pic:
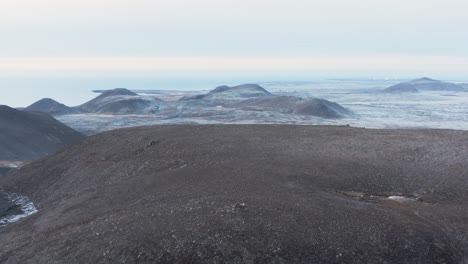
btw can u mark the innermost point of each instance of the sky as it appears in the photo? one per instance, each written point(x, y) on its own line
point(97, 43)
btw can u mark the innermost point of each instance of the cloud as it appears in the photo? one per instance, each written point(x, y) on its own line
point(229, 28)
point(237, 12)
point(128, 65)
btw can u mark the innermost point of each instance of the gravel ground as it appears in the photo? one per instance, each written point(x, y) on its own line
point(246, 194)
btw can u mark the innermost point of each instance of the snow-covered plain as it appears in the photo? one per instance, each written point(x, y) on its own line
point(372, 108)
point(376, 109)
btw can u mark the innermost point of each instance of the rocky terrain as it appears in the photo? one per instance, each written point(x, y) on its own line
point(210, 105)
point(246, 194)
point(51, 107)
point(424, 84)
point(30, 135)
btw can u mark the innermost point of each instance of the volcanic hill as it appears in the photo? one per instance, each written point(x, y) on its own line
point(51, 107)
point(31, 135)
point(424, 84)
point(246, 194)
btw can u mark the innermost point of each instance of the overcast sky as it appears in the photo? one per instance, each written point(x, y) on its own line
point(225, 28)
point(188, 37)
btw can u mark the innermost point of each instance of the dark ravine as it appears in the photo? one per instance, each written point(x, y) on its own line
point(246, 194)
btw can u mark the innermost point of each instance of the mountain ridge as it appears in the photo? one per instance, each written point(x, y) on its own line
point(31, 135)
point(424, 84)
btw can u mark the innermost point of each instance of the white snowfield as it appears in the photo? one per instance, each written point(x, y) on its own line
point(371, 108)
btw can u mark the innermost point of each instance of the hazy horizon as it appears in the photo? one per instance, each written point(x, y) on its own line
point(59, 46)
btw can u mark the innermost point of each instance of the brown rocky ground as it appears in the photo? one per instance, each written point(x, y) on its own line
point(246, 194)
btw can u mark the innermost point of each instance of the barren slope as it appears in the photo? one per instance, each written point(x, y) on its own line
point(31, 135)
point(246, 194)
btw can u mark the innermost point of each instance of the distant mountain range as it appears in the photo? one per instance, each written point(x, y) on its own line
point(424, 84)
point(256, 98)
point(247, 97)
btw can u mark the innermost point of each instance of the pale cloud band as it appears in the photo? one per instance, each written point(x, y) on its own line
point(64, 65)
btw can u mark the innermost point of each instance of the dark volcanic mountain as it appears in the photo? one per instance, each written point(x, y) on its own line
point(295, 105)
point(246, 194)
point(424, 84)
point(256, 98)
point(224, 92)
point(31, 135)
point(52, 107)
point(239, 91)
point(121, 101)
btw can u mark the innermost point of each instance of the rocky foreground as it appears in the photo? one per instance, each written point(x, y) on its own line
point(246, 194)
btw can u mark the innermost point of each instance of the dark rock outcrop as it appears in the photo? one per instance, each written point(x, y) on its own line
point(51, 107)
point(424, 84)
point(246, 194)
point(28, 135)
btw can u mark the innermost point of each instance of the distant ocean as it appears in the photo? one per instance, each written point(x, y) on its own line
point(20, 92)
point(72, 91)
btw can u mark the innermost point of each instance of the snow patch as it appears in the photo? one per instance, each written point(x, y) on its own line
point(398, 198)
point(11, 164)
point(23, 202)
